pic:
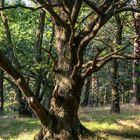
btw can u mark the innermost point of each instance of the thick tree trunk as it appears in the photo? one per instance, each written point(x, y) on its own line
point(64, 121)
point(136, 63)
point(64, 108)
point(1, 92)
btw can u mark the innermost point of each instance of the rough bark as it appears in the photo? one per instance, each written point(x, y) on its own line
point(136, 63)
point(66, 95)
point(64, 107)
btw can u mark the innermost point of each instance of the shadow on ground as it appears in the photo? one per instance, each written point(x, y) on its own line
point(123, 126)
point(11, 127)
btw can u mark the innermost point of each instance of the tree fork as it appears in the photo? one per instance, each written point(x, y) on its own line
point(38, 109)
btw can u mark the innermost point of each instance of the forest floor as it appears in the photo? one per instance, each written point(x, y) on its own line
point(123, 126)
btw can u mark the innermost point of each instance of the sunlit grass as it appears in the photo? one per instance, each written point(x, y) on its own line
point(18, 129)
point(124, 126)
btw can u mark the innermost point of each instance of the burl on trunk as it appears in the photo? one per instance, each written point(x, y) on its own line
point(64, 123)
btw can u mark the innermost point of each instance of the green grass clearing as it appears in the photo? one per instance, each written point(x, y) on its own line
point(18, 128)
point(124, 126)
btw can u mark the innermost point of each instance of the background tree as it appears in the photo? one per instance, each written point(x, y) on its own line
point(136, 63)
point(86, 93)
point(1, 92)
point(115, 105)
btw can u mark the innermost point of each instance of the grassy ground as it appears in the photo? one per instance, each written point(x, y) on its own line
point(125, 126)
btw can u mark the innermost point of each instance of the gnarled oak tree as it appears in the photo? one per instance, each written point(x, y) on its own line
point(73, 33)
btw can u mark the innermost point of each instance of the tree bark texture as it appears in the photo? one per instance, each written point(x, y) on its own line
point(65, 123)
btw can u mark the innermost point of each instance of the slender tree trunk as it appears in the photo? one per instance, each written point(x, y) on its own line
point(23, 108)
point(115, 106)
point(86, 93)
point(136, 63)
point(115, 103)
point(96, 91)
point(38, 47)
point(1, 92)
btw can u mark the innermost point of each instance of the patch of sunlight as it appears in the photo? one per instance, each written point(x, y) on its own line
point(129, 124)
point(18, 128)
point(107, 131)
point(25, 136)
point(95, 126)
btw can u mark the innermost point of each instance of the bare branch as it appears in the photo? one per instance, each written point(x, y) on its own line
point(54, 15)
point(120, 8)
point(91, 65)
point(126, 9)
point(103, 8)
point(113, 53)
point(84, 19)
point(102, 62)
point(38, 109)
point(117, 56)
point(85, 41)
point(73, 19)
point(105, 43)
point(91, 32)
point(51, 56)
point(94, 65)
point(75, 10)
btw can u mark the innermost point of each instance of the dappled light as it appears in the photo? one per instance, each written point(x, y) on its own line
point(116, 126)
point(111, 127)
point(18, 128)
